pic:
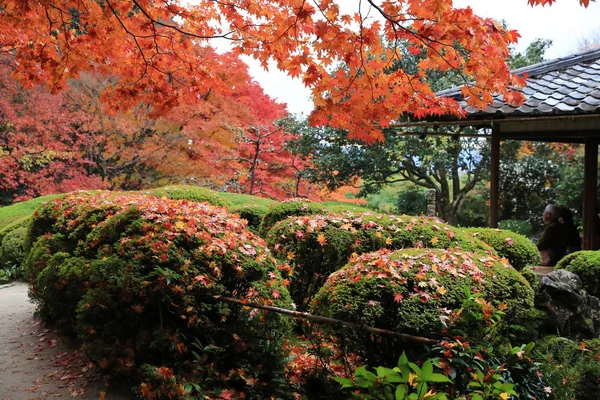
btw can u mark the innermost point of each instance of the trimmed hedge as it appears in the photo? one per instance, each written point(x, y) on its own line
point(522, 227)
point(518, 250)
point(253, 213)
point(413, 291)
point(135, 277)
point(11, 248)
point(319, 245)
point(189, 192)
point(586, 265)
point(297, 207)
point(240, 199)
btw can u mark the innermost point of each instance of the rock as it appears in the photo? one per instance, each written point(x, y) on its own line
point(570, 310)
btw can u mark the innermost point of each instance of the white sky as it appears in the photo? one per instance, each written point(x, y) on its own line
point(566, 23)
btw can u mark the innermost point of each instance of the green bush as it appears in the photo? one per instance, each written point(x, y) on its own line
point(298, 207)
point(135, 278)
point(572, 369)
point(586, 265)
point(188, 192)
point(11, 248)
point(517, 249)
point(522, 227)
point(253, 213)
point(414, 292)
point(319, 245)
point(22, 222)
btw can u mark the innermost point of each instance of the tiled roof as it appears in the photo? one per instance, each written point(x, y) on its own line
point(566, 85)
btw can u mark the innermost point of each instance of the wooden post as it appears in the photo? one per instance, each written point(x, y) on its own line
point(589, 193)
point(494, 175)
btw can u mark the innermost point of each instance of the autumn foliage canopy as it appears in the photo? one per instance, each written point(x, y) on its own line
point(153, 47)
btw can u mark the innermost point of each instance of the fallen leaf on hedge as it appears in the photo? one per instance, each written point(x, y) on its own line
point(388, 241)
point(291, 255)
point(434, 240)
point(398, 297)
point(137, 308)
point(276, 293)
point(322, 239)
point(441, 290)
point(509, 241)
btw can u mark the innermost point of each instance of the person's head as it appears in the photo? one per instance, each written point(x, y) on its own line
point(551, 214)
point(566, 217)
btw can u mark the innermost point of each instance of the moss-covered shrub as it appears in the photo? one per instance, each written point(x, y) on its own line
point(240, 199)
point(19, 223)
point(586, 265)
point(414, 292)
point(135, 277)
point(297, 207)
point(253, 213)
point(319, 245)
point(518, 250)
point(189, 192)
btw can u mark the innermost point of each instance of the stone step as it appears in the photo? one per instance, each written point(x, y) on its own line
point(541, 270)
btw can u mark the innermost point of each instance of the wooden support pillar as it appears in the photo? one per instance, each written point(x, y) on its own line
point(589, 193)
point(494, 176)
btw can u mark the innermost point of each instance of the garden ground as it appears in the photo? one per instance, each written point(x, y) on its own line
point(38, 364)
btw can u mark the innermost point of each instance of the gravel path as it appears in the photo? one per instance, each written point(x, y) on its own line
point(36, 363)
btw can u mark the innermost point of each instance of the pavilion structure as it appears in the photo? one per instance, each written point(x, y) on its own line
point(562, 104)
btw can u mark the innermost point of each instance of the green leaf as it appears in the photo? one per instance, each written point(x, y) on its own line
point(401, 392)
point(439, 378)
point(426, 370)
point(345, 382)
point(403, 360)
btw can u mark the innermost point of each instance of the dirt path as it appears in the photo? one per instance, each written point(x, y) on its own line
point(36, 363)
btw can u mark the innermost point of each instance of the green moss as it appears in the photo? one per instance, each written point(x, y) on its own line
point(239, 199)
point(17, 211)
point(188, 192)
point(586, 265)
point(530, 276)
point(253, 213)
point(321, 245)
point(517, 249)
point(413, 291)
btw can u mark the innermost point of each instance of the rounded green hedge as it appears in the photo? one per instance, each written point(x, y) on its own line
point(414, 292)
point(586, 265)
point(321, 244)
point(189, 192)
point(135, 278)
point(518, 250)
point(253, 213)
point(11, 248)
point(297, 207)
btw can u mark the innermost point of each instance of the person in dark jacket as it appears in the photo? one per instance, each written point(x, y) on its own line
point(573, 238)
point(553, 243)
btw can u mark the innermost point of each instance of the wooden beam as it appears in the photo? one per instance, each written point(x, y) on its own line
point(589, 193)
point(494, 176)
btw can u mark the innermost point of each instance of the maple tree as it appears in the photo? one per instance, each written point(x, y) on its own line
point(339, 56)
point(39, 144)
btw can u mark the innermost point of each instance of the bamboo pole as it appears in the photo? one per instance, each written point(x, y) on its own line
point(325, 320)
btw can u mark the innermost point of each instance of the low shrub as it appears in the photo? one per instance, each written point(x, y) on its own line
point(135, 278)
point(11, 248)
point(414, 292)
point(586, 265)
point(253, 213)
point(189, 192)
point(522, 227)
point(572, 369)
point(517, 249)
point(297, 207)
point(22, 222)
point(319, 245)
point(240, 199)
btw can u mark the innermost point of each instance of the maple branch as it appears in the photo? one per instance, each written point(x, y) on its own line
point(181, 31)
point(325, 320)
